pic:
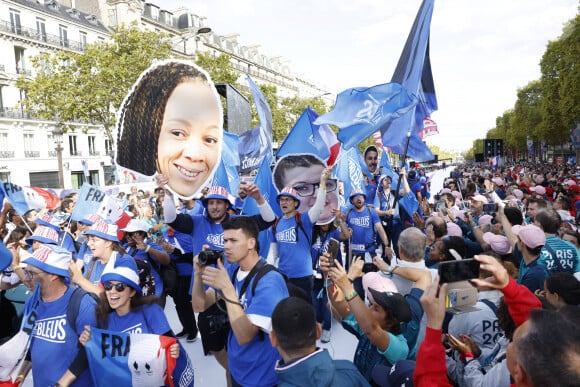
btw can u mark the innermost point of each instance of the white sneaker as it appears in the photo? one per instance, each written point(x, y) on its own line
point(325, 338)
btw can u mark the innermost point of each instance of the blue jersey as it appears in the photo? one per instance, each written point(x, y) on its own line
point(253, 364)
point(184, 243)
point(363, 229)
point(532, 275)
point(294, 246)
point(559, 255)
point(54, 343)
point(145, 319)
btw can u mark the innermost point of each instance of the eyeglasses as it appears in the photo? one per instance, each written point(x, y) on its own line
point(307, 189)
point(119, 287)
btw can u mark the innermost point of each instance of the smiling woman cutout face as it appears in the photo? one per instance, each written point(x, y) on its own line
point(171, 124)
point(188, 147)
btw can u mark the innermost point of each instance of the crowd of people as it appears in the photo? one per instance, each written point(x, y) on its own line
point(261, 290)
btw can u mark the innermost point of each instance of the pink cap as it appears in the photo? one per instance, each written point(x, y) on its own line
point(480, 198)
point(457, 194)
point(377, 282)
point(484, 219)
point(498, 243)
point(454, 230)
point(445, 190)
point(538, 189)
point(518, 194)
point(531, 235)
point(569, 182)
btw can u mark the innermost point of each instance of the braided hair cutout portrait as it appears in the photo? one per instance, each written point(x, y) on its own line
point(171, 124)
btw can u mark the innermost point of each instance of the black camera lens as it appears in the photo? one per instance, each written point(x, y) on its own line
point(210, 257)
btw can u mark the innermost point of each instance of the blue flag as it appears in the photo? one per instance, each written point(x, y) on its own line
point(250, 150)
point(124, 359)
point(348, 170)
point(306, 137)
point(409, 203)
point(413, 71)
point(417, 149)
point(265, 116)
point(91, 200)
point(359, 112)
point(227, 175)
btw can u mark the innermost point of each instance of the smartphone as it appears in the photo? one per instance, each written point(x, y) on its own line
point(455, 271)
point(440, 206)
point(490, 207)
point(332, 251)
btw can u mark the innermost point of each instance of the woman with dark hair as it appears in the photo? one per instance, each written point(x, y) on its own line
point(171, 123)
point(121, 308)
point(441, 250)
point(562, 288)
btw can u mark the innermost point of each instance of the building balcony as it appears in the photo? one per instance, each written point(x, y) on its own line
point(14, 113)
point(6, 154)
point(76, 153)
point(94, 153)
point(20, 70)
point(40, 36)
point(31, 153)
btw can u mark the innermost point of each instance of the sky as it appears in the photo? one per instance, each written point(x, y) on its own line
point(481, 51)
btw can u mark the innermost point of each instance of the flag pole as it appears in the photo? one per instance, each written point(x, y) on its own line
point(402, 166)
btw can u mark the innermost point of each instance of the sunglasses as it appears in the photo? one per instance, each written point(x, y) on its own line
point(118, 287)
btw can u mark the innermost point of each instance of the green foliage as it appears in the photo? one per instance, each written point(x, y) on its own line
point(90, 86)
point(547, 108)
point(441, 153)
point(219, 68)
point(560, 105)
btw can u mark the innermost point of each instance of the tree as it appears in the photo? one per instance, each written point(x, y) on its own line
point(292, 108)
point(560, 78)
point(90, 86)
point(220, 68)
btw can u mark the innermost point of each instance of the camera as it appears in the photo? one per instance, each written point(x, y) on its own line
point(210, 257)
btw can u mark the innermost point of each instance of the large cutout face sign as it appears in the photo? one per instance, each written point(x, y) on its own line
point(171, 123)
point(302, 172)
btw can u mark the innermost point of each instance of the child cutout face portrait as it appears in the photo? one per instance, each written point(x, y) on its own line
point(171, 124)
point(302, 172)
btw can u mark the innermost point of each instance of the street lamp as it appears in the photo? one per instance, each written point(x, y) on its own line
point(57, 137)
point(192, 34)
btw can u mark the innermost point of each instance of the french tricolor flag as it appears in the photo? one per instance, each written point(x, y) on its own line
point(123, 359)
point(494, 162)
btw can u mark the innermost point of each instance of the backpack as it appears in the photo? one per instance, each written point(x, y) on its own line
point(74, 304)
point(260, 270)
point(297, 217)
point(146, 279)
